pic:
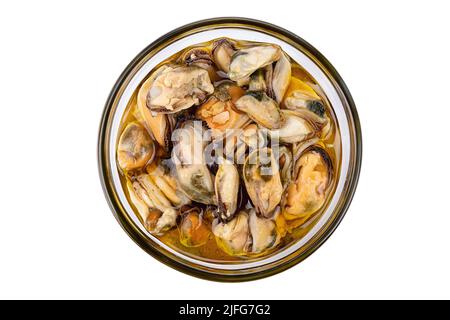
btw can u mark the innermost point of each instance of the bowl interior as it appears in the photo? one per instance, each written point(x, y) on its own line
point(304, 58)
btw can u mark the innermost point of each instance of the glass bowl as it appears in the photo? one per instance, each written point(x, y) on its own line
point(320, 69)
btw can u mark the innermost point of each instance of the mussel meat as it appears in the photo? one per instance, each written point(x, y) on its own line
point(263, 232)
point(233, 237)
point(285, 161)
point(219, 111)
point(177, 88)
point(193, 175)
point(262, 179)
point(201, 57)
point(257, 81)
point(246, 233)
point(261, 108)
point(227, 188)
point(222, 52)
point(194, 231)
point(242, 142)
point(307, 192)
point(167, 184)
point(152, 204)
point(135, 148)
point(298, 126)
point(281, 77)
point(246, 61)
point(300, 95)
point(160, 125)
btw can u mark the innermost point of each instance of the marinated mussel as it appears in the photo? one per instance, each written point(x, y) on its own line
point(194, 230)
point(310, 184)
point(233, 237)
point(223, 50)
point(177, 88)
point(193, 175)
point(246, 234)
point(298, 126)
point(156, 205)
point(227, 188)
point(264, 233)
point(281, 77)
point(135, 148)
point(262, 179)
point(247, 60)
point(261, 108)
point(219, 112)
point(300, 95)
point(160, 125)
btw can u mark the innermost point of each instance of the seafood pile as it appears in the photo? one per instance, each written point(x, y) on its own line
point(228, 145)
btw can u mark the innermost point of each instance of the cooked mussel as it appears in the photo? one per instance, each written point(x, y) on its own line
point(227, 188)
point(300, 96)
point(154, 207)
point(281, 77)
point(268, 76)
point(246, 233)
point(177, 88)
point(196, 183)
point(285, 161)
point(158, 222)
point(262, 180)
point(223, 50)
point(261, 109)
point(135, 148)
point(161, 192)
point(243, 142)
point(298, 126)
point(219, 111)
point(257, 81)
point(233, 237)
point(311, 181)
point(191, 170)
point(253, 137)
point(194, 231)
point(201, 57)
point(160, 125)
point(140, 200)
point(198, 56)
point(168, 185)
point(246, 61)
point(264, 233)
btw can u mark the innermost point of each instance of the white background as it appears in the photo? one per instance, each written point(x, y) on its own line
point(59, 60)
